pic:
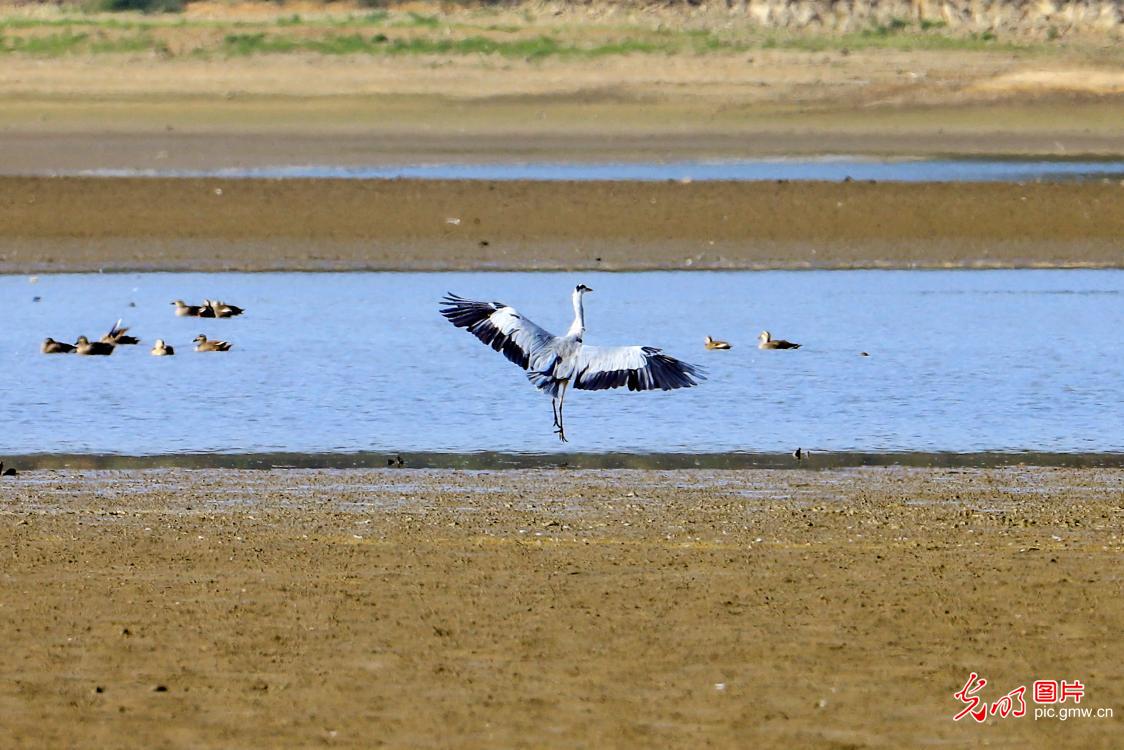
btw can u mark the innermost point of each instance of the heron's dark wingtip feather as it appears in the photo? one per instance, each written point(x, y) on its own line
point(476, 318)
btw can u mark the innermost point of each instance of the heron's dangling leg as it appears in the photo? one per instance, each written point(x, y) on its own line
point(554, 408)
point(561, 425)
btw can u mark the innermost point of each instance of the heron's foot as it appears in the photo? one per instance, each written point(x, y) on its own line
point(561, 433)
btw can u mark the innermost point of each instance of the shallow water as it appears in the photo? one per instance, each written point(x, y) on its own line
point(827, 168)
point(960, 361)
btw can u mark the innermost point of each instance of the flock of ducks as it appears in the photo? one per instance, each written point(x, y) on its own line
point(764, 341)
point(118, 334)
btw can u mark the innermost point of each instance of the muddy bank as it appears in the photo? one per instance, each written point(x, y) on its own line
point(85, 224)
point(553, 608)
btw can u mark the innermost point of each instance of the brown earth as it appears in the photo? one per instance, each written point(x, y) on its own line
point(841, 608)
point(84, 224)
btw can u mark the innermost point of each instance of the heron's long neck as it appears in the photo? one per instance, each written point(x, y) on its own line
point(577, 328)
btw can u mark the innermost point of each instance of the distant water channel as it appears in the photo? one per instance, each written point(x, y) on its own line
point(961, 361)
point(826, 168)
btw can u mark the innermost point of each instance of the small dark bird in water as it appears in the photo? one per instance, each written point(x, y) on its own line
point(9, 472)
point(36, 299)
point(50, 346)
point(92, 349)
point(863, 354)
point(396, 462)
point(799, 454)
point(117, 337)
point(766, 341)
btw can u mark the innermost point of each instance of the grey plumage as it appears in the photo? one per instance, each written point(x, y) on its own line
point(555, 362)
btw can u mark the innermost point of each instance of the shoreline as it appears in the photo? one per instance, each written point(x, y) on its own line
point(494, 461)
point(69, 224)
point(554, 608)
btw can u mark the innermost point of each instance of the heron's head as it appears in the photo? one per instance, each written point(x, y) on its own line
point(582, 289)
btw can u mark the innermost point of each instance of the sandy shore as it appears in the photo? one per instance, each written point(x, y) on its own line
point(554, 608)
point(89, 224)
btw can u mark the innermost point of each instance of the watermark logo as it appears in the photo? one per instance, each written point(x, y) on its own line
point(1050, 697)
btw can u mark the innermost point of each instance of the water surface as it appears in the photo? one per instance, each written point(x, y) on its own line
point(959, 361)
point(826, 168)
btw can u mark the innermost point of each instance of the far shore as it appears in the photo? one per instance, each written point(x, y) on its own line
point(151, 224)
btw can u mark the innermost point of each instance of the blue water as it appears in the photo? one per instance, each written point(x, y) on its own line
point(829, 168)
point(1024, 360)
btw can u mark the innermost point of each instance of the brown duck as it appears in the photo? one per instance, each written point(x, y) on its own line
point(50, 346)
point(203, 345)
point(117, 337)
point(185, 310)
point(92, 348)
point(766, 341)
point(160, 349)
point(716, 344)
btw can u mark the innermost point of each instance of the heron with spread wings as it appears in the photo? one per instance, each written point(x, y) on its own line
point(554, 363)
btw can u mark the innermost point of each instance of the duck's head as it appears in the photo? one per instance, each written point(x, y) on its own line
point(199, 339)
point(83, 340)
point(765, 336)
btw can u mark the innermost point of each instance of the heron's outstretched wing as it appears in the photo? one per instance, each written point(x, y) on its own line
point(500, 327)
point(641, 368)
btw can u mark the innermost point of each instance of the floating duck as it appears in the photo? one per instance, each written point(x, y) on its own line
point(96, 348)
point(766, 341)
point(221, 309)
point(203, 345)
point(160, 349)
point(117, 337)
point(715, 344)
point(50, 346)
point(185, 310)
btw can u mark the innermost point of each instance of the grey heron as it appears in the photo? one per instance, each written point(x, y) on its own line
point(766, 341)
point(554, 363)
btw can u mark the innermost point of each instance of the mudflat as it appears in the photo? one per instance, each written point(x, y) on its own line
point(116, 224)
point(436, 608)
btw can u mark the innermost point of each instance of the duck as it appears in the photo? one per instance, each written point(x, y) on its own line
point(160, 349)
point(221, 309)
point(8, 472)
point(715, 344)
point(50, 346)
point(185, 310)
point(203, 345)
point(766, 341)
point(117, 337)
point(96, 348)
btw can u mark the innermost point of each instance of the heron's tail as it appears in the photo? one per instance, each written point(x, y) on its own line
point(545, 382)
